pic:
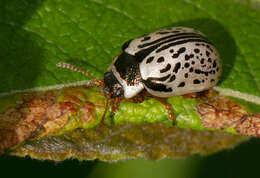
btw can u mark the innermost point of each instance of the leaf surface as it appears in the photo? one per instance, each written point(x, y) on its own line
point(37, 34)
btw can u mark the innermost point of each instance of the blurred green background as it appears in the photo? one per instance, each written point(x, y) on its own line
point(240, 162)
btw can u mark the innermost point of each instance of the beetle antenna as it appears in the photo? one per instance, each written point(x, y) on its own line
point(98, 82)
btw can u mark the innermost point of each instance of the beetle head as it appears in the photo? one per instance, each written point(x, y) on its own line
point(112, 88)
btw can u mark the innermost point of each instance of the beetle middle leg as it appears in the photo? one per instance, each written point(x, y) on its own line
point(167, 106)
point(162, 101)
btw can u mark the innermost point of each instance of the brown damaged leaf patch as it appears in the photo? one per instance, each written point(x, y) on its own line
point(221, 113)
point(249, 125)
point(78, 100)
point(44, 114)
point(37, 113)
point(150, 141)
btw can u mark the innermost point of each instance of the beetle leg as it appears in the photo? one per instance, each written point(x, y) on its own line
point(167, 106)
point(190, 95)
point(103, 117)
point(115, 105)
point(165, 103)
point(207, 93)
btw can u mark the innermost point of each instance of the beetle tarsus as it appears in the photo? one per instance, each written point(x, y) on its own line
point(164, 102)
point(115, 105)
point(168, 107)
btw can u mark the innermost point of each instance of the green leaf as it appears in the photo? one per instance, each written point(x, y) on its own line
point(36, 34)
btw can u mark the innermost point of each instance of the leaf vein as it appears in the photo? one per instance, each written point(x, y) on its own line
point(89, 34)
point(114, 9)
point(250, 72)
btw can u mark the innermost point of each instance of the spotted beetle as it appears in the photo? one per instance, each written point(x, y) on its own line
point(164, 63)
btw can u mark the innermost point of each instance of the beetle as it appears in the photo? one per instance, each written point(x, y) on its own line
point(167, 62)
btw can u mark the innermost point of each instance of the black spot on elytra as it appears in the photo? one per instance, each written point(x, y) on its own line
point(171, 50)
point(209, 60)
point(176, 31)
point(217, 69)
point(197, 71)
point(182, 84)
point(177, 67)
point(140, 55)
point(160, 78)
point(209, 48)
point(214, 64)
point(200, 54)
point(126, 44)
point(186, 75)
point(202, 61)
point(149, 60)
point(175, 43)
point(212, 80)
point(172, 78)
point(197, 44)
point(196, 50)
point(186, 65)
point(197, 57)
point(203, 81)
point(191, 69)
point(156, 86)
point(180, 51)
point(207, 53)
point(175, 55)
point(204, 65)
point(196, 81)
point(187, 57)
point(146, 38)
point(162, 32)
point(168, 67)
point(160, 59)
point(179, 28)
point(192, 62)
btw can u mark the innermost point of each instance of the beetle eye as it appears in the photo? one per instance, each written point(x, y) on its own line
point(119, 91)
